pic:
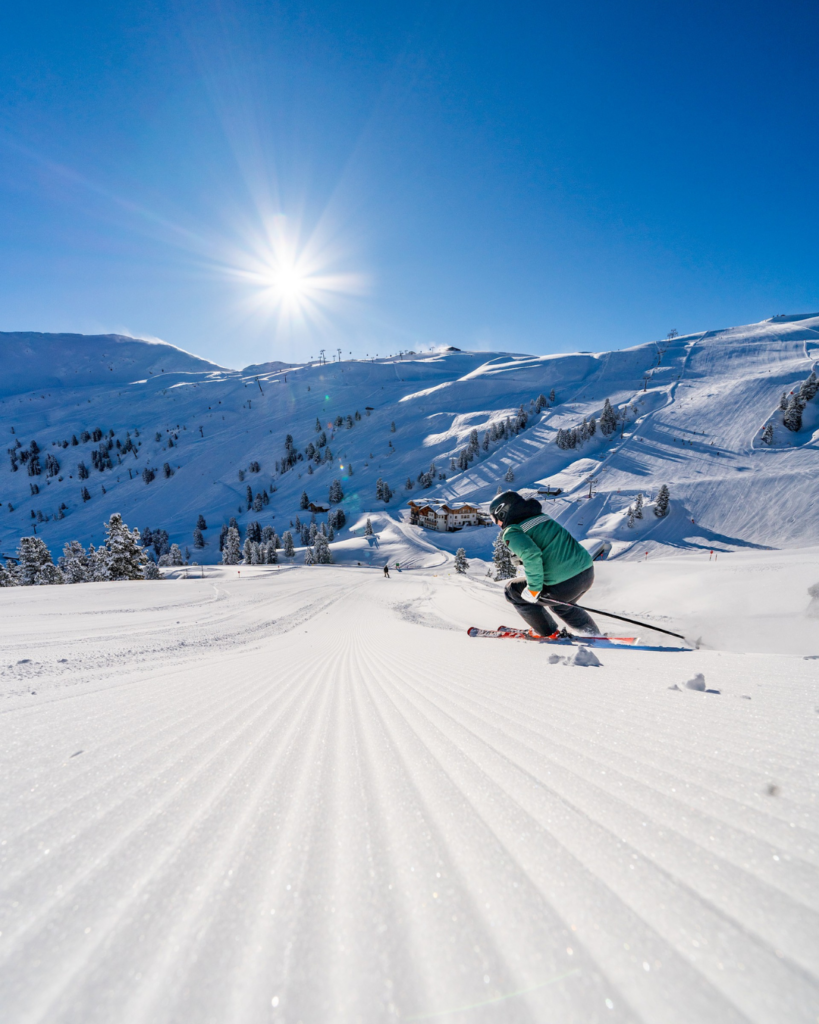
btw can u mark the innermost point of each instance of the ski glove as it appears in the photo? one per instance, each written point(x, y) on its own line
point(530, 595)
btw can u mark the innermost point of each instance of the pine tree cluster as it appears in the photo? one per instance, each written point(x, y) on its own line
point(121, 557)
point(383, 491)
point(794, 404)
point(316, 452)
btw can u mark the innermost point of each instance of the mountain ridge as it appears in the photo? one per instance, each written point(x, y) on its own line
point(694, 408)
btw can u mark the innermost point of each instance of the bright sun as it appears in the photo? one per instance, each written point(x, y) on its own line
point(289, 284)
point(294, 280)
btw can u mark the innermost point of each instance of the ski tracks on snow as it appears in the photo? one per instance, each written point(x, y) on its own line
point(359, 818)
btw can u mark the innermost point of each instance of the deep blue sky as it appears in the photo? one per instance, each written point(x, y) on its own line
point(536, 177)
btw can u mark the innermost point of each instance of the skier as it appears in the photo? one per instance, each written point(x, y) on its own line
point(387, 571)
point(556, 566)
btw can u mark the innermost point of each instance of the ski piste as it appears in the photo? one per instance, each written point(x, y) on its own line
point(510, 633)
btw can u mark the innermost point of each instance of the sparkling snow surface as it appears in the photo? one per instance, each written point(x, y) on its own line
point(306, 795)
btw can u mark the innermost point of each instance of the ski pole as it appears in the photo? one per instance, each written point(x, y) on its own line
point(611, 615)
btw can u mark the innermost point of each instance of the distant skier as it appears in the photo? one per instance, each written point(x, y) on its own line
point(556, 566)
point(387, 571)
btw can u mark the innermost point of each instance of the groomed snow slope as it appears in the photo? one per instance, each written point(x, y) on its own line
point(696, 408)
point(306, 795)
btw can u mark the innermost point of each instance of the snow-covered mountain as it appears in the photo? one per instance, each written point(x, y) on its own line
point(692, 411)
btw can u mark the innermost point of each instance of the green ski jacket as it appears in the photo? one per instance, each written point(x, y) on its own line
point(549, 553)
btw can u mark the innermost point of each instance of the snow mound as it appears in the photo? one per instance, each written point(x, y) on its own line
point(584, 657)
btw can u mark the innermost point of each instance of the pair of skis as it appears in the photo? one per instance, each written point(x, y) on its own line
point(510, 633)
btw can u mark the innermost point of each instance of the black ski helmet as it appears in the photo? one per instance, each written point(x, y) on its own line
point(500, 505)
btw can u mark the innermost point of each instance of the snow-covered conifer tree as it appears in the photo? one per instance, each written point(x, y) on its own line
point(150, 571)
point(311, 533)
point(198, 538)
point(287, 541)
point(323, 554)
point(461, 564)
point(231, 551)
point(662, 502)
point(336, 494)
point(98, 571)
point(74, 562)
point(175, 555)
point(592, 426)
point(247, 552)
point(49, 575)
point(608, 420)
point(809, 387)
point(630, 516)
point(256, 556)
point(32, 557)
point(767, 434)
point(200, 522)
point(8, 577)
point(502, 559)
point(336, 518)
point(309, 557)
point(304, 501)
point(392, 427)
point(368, 529)
point(793, 414)
point(783, 401)
point(510, 475)
point(638, 506)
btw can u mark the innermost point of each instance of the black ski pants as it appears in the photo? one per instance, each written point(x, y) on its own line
point(537, 615)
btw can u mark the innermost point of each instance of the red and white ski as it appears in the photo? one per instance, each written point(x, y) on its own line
point(510, 633)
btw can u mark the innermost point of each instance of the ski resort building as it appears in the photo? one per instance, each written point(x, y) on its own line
point(445, 516)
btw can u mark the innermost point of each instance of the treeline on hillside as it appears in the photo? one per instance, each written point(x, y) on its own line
point(108, 448)
point(262, 544)
point(497, 431)
point(574, 437)
point(121, 557)
point(318, 451)
point(792, 406)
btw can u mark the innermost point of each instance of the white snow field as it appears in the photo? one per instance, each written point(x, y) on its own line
point(306, 795)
